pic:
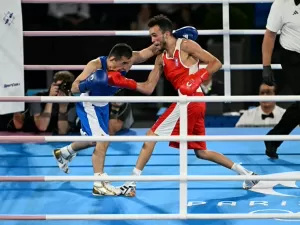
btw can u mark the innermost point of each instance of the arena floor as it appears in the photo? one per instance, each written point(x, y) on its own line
point(152, 197)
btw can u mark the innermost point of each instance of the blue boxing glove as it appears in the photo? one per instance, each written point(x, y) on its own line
point(94, 81)
point(123, 72)
point(187, 32)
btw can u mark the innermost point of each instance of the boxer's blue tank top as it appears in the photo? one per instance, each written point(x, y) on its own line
point(105, 90)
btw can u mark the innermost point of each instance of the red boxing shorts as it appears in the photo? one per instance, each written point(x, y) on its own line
point(168, 123)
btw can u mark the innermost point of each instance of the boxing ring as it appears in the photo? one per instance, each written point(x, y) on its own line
point(33, 189)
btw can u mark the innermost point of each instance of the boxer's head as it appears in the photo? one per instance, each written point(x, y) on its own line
point(160, 29)
point(119, 58)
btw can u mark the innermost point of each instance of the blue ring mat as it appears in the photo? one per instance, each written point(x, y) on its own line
point(152, 197)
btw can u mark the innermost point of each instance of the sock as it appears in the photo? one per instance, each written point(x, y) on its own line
point(136, 172)
point(239, 169)
point(67, 151)
point(96, 182)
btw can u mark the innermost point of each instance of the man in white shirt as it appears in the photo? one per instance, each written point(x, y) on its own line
point(267, 114)
point(284, 16)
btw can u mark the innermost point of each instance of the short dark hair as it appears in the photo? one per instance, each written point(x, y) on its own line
point(274, 86)
point(121, 50)
point(64, 76)
point(164, 23)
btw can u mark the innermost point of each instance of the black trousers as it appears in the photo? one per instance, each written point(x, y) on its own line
point(290, 62)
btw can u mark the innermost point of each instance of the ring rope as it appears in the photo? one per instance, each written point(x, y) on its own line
point(227, 216)
point(142, 99)
point(166, 178)
point(149, 67)
point(148, 1)
point(132, 33)
point(182, 138)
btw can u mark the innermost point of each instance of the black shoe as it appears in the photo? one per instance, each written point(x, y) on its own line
point(272, 153)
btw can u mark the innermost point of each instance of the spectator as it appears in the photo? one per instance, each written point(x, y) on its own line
point(213, 86)
point(170, 10)
point(184, 17)
point(267, 114)
point(57, 118)
point(71, 16)
point(121, 116)
point(143, 17)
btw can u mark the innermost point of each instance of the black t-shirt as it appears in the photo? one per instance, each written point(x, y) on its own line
point(37, 108)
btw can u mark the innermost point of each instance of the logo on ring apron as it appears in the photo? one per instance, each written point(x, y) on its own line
point(267, 187)
point(8, 18)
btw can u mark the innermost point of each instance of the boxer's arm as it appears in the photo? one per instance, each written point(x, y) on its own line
point(91, 67)
point(145, 54)
point(195, 50)
point(148, 86)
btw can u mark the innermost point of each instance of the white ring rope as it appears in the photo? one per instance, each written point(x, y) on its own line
point(132, 33)
point(181, 138)
point(148, 99)
point(148, 67)
point(166, 178)
point(210, 216)
point(148, 1)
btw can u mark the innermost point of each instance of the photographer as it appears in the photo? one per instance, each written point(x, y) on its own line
point(57, 118)
point(121, 116)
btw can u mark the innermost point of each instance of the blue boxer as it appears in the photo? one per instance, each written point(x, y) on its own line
point(94, 116)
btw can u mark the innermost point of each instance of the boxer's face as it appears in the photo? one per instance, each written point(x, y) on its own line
point(122, 64)
point(158, 37)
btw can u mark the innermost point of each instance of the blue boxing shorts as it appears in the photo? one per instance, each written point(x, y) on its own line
point(94, 119)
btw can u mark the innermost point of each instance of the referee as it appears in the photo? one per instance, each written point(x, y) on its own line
point(285, 16)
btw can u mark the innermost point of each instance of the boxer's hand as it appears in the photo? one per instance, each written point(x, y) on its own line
point(94, 81)
point(187, 32)
point(192, 83)
point(116, 79)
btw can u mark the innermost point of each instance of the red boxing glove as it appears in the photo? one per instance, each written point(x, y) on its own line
point(193, 82)
point(116, 79)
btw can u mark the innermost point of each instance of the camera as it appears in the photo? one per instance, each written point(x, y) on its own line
point(65, 87)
